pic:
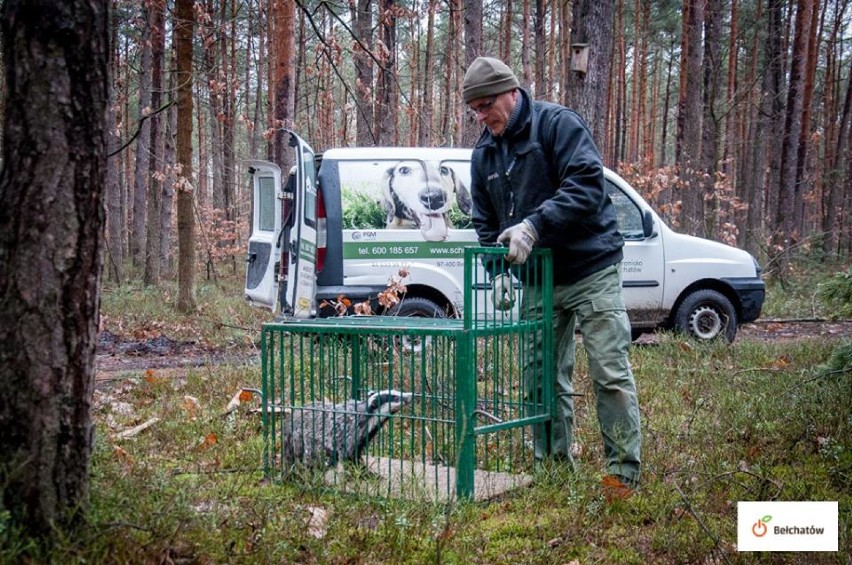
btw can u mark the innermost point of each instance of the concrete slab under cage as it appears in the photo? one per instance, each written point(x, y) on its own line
point(414, 480)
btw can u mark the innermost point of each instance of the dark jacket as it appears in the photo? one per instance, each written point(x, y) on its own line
point(548, 171)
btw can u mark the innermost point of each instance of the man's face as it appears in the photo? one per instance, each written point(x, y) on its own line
point(494, 111)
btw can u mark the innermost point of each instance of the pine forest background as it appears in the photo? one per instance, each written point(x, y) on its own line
point(731, 116)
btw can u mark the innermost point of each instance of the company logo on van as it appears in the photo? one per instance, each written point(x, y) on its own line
point(364, 235)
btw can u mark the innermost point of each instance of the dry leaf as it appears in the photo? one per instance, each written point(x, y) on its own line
point(317, 521)
point(782, 362)
point(192, 406)
point(122, 455)
point(242, 395)
point(208, 440)
point(151, 377)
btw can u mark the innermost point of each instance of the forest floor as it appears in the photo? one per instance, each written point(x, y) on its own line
point(118, 354)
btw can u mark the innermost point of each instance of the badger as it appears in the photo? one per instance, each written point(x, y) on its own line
point(321, 434)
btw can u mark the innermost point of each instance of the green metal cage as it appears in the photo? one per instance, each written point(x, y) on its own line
point(462, 396)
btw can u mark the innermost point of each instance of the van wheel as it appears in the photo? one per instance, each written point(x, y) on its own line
point(416, 307)
point(705, 315)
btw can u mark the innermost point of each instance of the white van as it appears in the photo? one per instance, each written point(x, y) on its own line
point(344, 224)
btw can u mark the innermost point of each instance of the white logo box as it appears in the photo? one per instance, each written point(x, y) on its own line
point(787, 526)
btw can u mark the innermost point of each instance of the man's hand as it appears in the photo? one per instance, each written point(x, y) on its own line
point(502, 292)
point(521, 238)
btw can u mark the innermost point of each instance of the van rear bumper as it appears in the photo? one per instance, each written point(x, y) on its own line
point(751, 292)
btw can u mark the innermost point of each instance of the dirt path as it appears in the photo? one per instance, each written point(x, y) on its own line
point(116, 354)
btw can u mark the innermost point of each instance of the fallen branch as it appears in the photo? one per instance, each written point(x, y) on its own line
point(701, 523)
point(136, 430)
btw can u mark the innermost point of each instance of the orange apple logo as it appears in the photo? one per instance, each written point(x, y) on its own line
point(759, 528)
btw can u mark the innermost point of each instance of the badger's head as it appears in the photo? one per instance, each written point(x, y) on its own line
point(387, 402)
point(379, 407)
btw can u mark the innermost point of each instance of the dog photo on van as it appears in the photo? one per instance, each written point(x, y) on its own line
point(419, 194)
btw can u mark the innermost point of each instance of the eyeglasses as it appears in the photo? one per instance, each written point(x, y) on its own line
point(482, 108)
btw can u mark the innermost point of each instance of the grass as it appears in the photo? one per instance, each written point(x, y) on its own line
point(749, 421)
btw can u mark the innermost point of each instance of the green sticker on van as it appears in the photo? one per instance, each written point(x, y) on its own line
point(308, 251)
point(404, 250)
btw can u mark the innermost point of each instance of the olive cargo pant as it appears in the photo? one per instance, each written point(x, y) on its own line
point(596, 305)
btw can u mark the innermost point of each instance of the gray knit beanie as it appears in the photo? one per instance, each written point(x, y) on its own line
point(487, 76)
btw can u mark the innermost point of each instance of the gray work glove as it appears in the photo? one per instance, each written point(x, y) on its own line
point(502, 292)
point(521, 238)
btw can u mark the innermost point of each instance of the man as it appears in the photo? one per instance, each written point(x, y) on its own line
point(537, 179)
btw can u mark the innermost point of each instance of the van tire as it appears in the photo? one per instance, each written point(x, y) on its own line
point(706, 315)
point(417, 307)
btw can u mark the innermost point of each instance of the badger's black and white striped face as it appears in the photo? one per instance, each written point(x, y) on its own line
point(388, 401)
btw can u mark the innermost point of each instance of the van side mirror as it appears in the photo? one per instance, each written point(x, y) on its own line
point(648, 224)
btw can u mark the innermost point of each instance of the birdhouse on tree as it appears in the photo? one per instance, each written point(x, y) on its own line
point(580, 57)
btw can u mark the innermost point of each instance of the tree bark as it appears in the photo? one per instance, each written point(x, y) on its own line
point(139, 211)
point(183, 30)
point(688, 144)
point(541, 81)
point(115, 211)
point(712, 78)
point(471, 129)
point(284, 85)
point(386, 115)
point(55, 55)
point(804, 142)
point(363, 18)
point(785, 228)
point(425, 136)
point(156, 170)
point(587, 92)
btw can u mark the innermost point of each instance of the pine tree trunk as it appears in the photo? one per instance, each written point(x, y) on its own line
point(168, 196)
point(688, 145)
point(540, 64)
point(283, 83)
point(471, 129)
point(138, 229)
point(386, 116)
point(804, 142)
point(788, 194)
point(363, 19)
point(712, 79)
point(156, 171)
point(183, 30)
point(425, 136)
point(588, 91)
point(115, 213)
point(55, 55)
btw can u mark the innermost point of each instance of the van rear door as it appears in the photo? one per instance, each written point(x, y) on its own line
point(283, 244)
point(264, 249)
